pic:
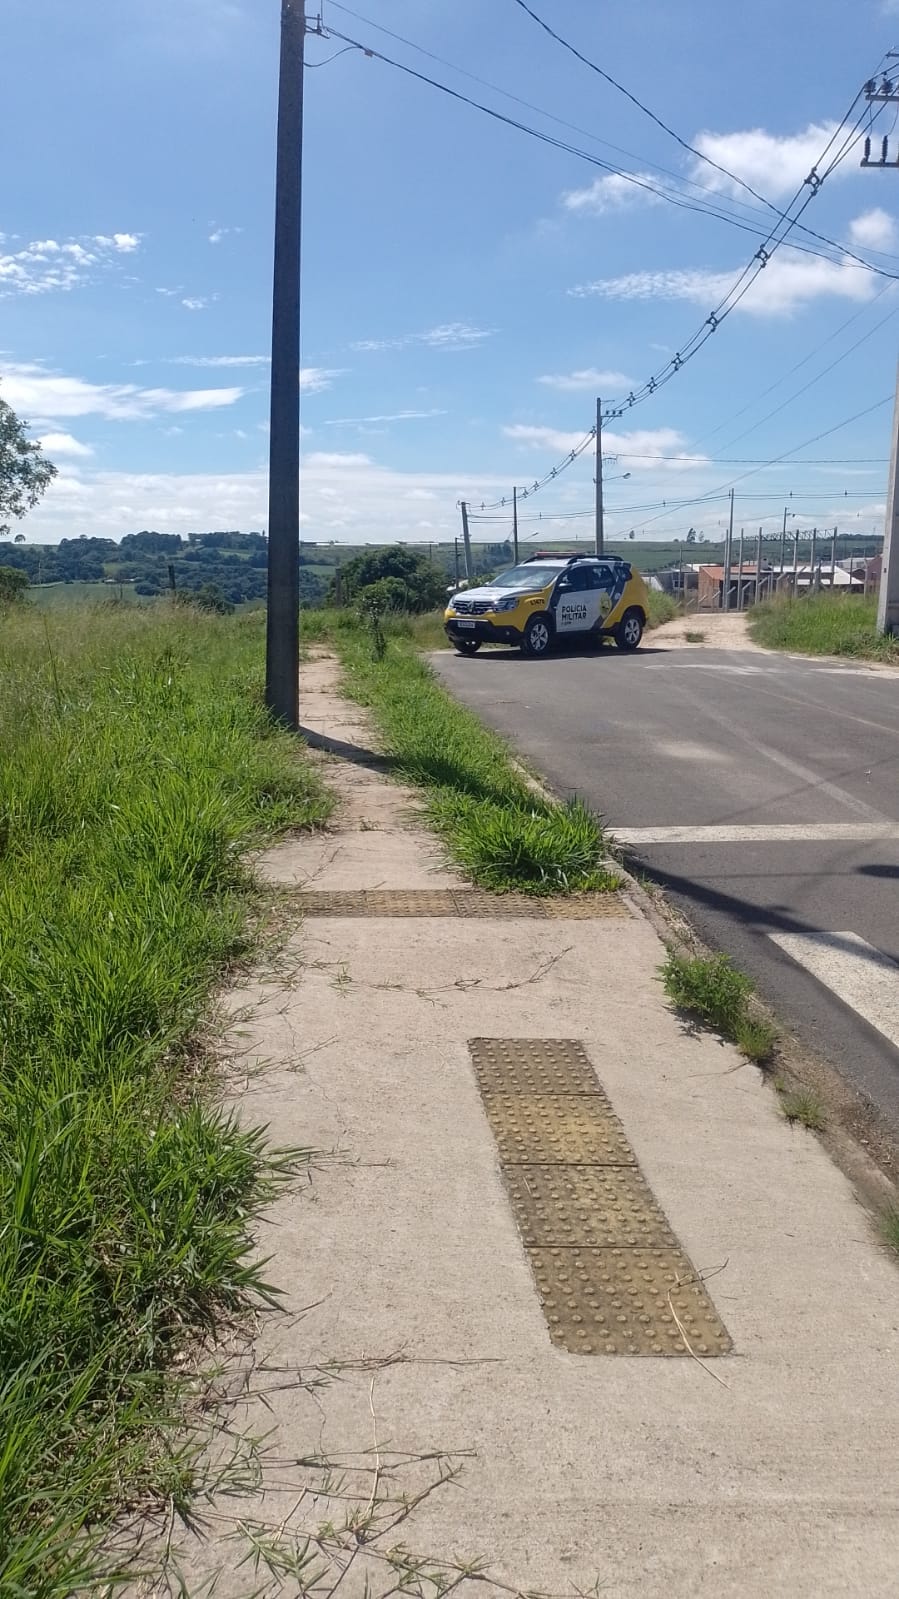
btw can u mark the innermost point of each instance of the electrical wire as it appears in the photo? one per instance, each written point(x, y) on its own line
point(666, 128)
point(677, 199)
point(573, 127)
point(725, 488)
point(815, 350)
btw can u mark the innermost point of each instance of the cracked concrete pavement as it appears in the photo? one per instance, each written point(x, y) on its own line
point(412, 1346)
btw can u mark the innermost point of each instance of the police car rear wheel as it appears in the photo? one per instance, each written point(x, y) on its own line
point(537, 637)
point(467, 646)
point(629, 631)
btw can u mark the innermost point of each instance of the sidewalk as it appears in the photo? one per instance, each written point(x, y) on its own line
point(414, 1356)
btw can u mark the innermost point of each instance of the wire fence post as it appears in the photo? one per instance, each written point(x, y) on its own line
point(795, 560)
point(758, 568)
point(833, 559)
point(728, 554)
point(814, 574)
point(740, 575)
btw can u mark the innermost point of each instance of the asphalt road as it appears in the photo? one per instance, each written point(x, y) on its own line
point(734, 747)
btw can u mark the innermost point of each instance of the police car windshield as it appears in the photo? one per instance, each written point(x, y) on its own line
point(534, 575)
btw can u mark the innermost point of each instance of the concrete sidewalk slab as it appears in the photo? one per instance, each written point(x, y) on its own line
point(413, 1342)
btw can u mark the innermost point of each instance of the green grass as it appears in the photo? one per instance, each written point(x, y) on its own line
point(890, 1227)
point(802, 1105)
point(504, 834)
point(711, 989)
point(823, 624)
point(137, 762)
point(661, 608)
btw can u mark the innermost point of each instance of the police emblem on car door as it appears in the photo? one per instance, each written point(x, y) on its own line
point(577, 600)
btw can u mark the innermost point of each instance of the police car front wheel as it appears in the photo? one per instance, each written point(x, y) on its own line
point(537, 636)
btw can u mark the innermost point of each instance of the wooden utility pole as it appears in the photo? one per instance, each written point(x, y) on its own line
point(515, 523)
point(282, 639)
point(599, 531)
point(466, 540)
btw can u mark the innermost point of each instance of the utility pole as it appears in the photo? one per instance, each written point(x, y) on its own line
point(282, 638)
point(466, 540)
point(795, 560)
point(740, 576)
point(888, 602)
point(728, 555)
point(887, 92)
point(515, 523)
point(599, 536)
point(814, 575)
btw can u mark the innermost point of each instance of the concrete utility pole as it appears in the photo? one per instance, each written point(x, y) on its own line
point(466, 540)
point(888, 602)
point(282, 638)
point(728, 556)
point(515, 523)
point(599, 533)
point(887, 92)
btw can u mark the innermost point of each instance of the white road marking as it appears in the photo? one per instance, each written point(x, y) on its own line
point(857, 973)
point(769, 833)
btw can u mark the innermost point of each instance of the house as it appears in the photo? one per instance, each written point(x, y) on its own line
point(743, 584)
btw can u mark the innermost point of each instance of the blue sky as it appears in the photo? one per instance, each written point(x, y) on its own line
point(467, 289)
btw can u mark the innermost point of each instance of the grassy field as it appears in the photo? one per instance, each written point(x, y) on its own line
point(137, 762)
point(823, 624)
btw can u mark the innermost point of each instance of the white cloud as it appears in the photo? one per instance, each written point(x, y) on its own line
point(32, 391)
point(346, 497)
point(64, 444)
point(657, 448)
point(588, 378)
point(45, 266)
point(219, 233)
point(393, 416)
point(313, 379)
point(544, 438)
point(875, 229)
point(611, 193)
point(214, 360)
point(195, 303)
point(790, 281)
point(774, 164)
point(446, 336)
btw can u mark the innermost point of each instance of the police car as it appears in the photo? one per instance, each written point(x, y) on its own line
point(547, 597)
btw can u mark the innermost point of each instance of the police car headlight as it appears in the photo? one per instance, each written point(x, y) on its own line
point(510, 603)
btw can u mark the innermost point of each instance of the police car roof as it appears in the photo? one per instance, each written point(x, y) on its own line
point(565, 556)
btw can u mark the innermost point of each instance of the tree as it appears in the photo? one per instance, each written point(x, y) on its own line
point(25, 472)
point(691, 536)
point(424, 587)
point(13, 584)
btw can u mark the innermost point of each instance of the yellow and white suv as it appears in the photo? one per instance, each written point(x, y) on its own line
point(547, 597)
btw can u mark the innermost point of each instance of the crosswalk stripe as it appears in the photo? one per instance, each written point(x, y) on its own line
point(857, 973)
point(765, 833)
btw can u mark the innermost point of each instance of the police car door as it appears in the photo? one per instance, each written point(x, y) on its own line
point(576, 600)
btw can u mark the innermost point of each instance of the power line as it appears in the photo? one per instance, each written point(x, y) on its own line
point(666, 128)
point(682, 201)
point(815, 350)
point(645, 161)
point(776, 460)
